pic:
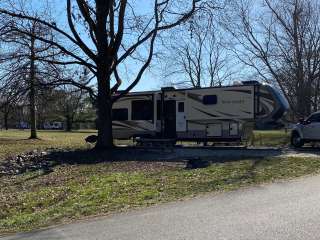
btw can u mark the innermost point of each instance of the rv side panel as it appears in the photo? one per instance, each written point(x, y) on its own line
point(140, 119)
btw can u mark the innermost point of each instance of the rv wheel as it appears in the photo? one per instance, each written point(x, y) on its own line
point(296, 140)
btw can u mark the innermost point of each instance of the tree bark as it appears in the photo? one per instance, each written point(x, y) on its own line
point(104, 61)
point(105, 136)
point(6, 116)
point(32, 93)
point(303, 104)
point(69, 123)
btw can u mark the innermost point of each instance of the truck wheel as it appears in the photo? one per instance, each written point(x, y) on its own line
point(296, 140)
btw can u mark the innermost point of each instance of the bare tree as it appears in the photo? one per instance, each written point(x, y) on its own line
point(70, 102)
point(115, 32)
point(21, 59)
point(281, 42)
point(12, 93)
point(196, 52)
point(8, 101)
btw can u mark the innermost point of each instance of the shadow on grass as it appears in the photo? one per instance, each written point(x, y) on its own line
point(56, 157)
point(44, 164)
point(93, 156)
point(130, 154)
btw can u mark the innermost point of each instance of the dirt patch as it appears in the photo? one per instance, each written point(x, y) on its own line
point(22, 163)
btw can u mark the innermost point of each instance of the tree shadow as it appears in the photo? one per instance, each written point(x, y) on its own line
point(54, 157)
point(45, 163)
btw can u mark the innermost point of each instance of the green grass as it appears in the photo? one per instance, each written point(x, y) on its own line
point(276, 138)
point(16, 141)
point(36, 200)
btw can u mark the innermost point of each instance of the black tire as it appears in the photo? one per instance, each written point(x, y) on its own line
point(296, 140)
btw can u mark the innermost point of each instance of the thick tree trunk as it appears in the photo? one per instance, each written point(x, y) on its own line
point(68, 123)
point(32, 93)
point(104, 106)
point(104, 62)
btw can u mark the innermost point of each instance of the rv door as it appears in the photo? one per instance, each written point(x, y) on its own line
point(181, 122)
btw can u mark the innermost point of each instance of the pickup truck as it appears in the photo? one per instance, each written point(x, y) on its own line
point(306, 131)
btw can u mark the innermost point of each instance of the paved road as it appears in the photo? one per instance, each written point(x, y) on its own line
point(276, 211)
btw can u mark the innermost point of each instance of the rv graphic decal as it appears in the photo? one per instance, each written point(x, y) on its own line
point(227, 114)
point(131, 125)
point(209, 114)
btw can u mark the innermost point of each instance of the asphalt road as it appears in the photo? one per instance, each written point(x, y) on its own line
point(288, 210)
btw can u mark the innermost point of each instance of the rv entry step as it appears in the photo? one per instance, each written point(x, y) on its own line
point(155, 142)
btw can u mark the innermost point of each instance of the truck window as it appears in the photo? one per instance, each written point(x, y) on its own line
point(142, 110)
point(120, 114)
point(210, 99)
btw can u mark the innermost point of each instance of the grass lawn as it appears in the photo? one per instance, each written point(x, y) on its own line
point(276, 138)
point(38, 199)
point(13, 142)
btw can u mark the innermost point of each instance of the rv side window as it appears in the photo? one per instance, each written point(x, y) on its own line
point(181, 107)
point(158, 110)
point(210, 99)
point(142, 110)
point(120, 114)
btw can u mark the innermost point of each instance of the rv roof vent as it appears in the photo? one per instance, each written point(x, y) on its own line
point(167, 88)
point(250, 83)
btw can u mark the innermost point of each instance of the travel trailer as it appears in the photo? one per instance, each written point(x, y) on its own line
point(226, 113)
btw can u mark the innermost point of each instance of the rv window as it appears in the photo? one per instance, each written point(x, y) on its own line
point(120, 114)
point(181, 107)
point(142, 110)
point(210, 99)
point(158, 110)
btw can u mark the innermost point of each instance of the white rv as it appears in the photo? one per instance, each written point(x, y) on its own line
point(197, 114)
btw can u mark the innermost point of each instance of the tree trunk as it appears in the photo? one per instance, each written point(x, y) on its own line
point(104, 62)
point(303, 105)
point(300, 105)
point(6, 116)
point(308, 99)
point(104, 106)
point(68, 123)
point(32, 93)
